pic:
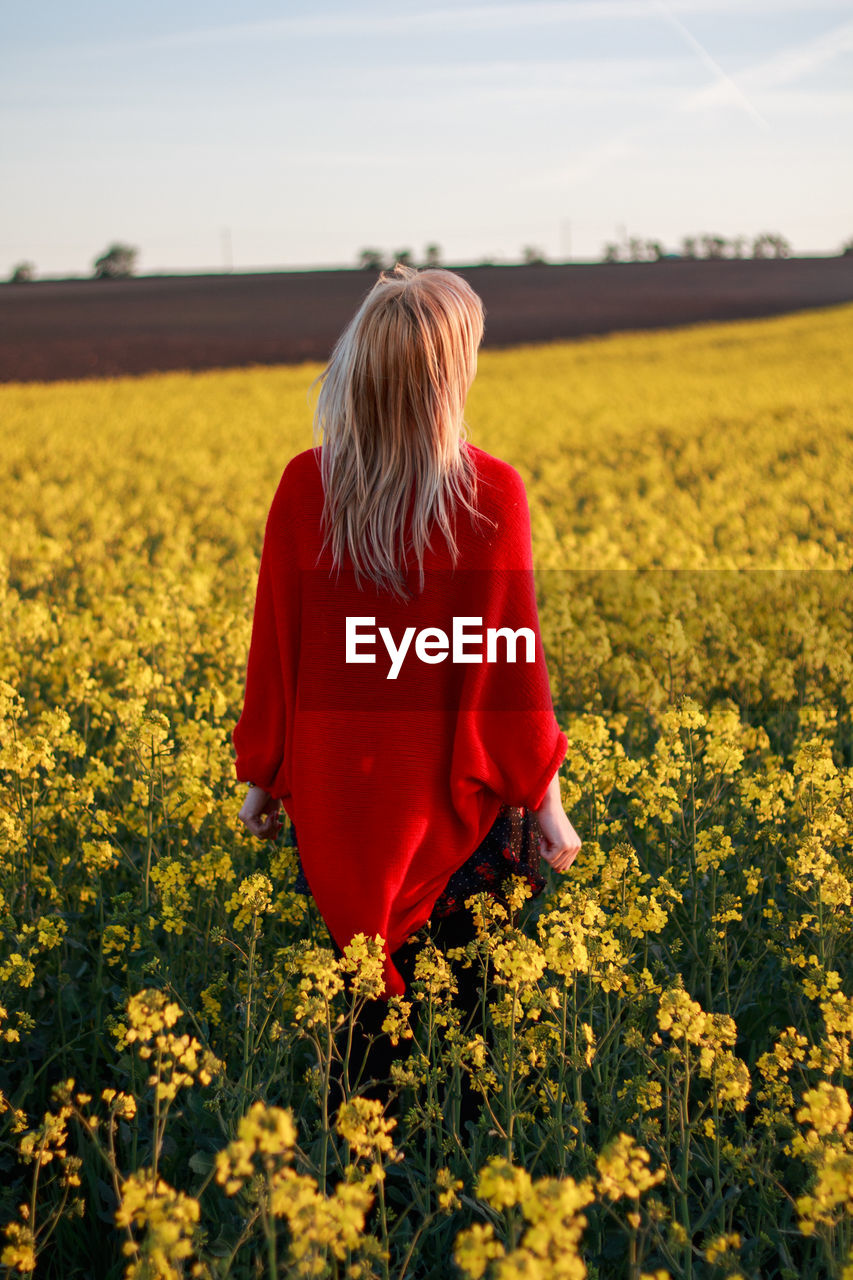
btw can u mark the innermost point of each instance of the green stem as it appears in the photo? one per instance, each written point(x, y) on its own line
point(150, 830)
point(269, 1232)
point(685, 1162)
point(247, 1032)
point(718, 1185)
point(157, 1113)
point(510, 1109)
point(383, 1222)
point(561, 1082)
point(326, 1083)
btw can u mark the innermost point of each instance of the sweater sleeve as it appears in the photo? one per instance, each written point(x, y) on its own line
point(507, 739)
point(259, 738)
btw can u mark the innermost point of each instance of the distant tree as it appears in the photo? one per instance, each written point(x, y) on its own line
point(118, 263)
point(532, 255)
point(688, 247)
point(371, 260)
point(23, 273)
point(714, 246)
point(654, 249)
point(636, 249)
point(847, 248)
point(738, 244)
point(404, 257)
point(770, 245)
point(432, 255)
point(611, 252)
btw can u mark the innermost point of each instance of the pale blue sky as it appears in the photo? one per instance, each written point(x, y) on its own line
point(310, 130)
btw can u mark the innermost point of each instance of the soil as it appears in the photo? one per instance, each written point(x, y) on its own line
point(96, 328)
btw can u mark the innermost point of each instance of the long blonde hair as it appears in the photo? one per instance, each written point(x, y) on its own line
point(390, 413)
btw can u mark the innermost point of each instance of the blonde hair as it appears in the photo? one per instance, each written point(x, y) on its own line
point(390, 413)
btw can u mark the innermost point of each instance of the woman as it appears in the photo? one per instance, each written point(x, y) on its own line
point(397, 698)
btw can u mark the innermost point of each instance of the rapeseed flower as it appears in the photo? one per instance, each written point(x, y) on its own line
point(623, 1169)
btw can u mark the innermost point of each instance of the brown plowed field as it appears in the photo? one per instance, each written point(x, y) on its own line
point(99, 328)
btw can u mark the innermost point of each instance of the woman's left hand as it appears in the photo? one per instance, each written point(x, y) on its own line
point(260, 814)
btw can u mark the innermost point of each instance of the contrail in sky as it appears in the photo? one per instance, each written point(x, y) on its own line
point(712, 64)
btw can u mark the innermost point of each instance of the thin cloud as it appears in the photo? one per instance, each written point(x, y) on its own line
point(485, 17)
point(493, 16)
point(593, 69)
point(830, 104)
point(588, 161)
point(621, 147)
point(786, 65)
point(725, 88)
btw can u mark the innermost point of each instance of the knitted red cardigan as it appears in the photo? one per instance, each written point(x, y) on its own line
point(393, 780)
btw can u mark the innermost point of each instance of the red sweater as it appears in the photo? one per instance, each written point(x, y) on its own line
point(392, 783)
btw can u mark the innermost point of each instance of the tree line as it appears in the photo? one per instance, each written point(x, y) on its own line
point(118, 262)
point(768, 244)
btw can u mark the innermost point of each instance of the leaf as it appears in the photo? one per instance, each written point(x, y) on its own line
point(201, 1162)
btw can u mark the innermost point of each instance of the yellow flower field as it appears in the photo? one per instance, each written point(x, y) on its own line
point(664, 1052)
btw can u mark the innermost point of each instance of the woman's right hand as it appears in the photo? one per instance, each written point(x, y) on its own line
point(260, 813)
point(560, 843)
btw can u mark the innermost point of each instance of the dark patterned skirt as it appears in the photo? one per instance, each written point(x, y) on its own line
point(510, 847)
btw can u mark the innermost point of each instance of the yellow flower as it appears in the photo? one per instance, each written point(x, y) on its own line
point(475, 1247)
point(361, 1122)
point(518, 961)
point(365, 959)
point(448, 1186)
point(681, 1016)
point(266, 1134)
point(115, 942)
point(502, 1184)
point(563, 943)
point(833, 1191)
point(826, 1108)
point(251, 898)
point(122, 1104)
point(173, 883)
point(396, 1022)
point(721, 1245)
point(48, 1141)
point(20, 1253)
point(321, 982)
point(178, 1060)
point(167, 1217)
point(623, 1169)
point(211, 1006)
point(549, 1247)
point(713, 848)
